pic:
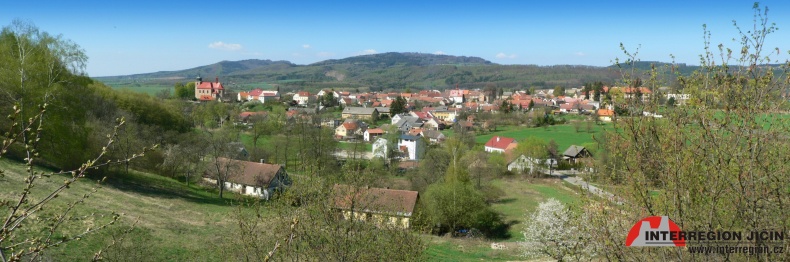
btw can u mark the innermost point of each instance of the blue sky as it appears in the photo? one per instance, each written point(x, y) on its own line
point(129, 37)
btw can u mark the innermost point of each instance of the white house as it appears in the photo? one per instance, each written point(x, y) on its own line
point(302, 98)
point(249, 178)
point(397, 118)
point(372, 133)
point(380, 148)
point(523, 164)
point(413, 147)
point(499, 144)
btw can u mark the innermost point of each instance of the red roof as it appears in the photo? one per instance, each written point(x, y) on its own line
point(375, 131)
point(256, 92)
point(350, 125)
point(605, 112)
point(210, 85)
point(303, 93)
point(500, 142)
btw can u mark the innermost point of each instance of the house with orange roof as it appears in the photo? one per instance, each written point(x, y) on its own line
point(348, 130)
point(372, 133)
point(605, 115)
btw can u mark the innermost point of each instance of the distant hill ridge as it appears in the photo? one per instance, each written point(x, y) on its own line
point(387, 71)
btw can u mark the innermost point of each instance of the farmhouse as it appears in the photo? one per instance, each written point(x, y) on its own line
point(382, 206)
point(575, 152)
point(523, 163)
point(250, 178)
point(372, 133)
point(605, 115)
point(360, 113)
point(302, 98)
point(499, 144)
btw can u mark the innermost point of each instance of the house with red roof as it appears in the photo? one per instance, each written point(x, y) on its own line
point(499, 144)
point(302, 98)
point(209, 91)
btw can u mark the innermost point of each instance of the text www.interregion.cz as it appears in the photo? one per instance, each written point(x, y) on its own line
point(750, 250)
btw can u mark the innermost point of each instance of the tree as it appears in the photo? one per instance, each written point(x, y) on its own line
point(185, 91)
point(220, 152)
point(559, 91)
point(718, 164)
point(398, 106)
point(431, 170)
point(27, 209)
point(553, 149)
point(555, 231)
point(313, 230)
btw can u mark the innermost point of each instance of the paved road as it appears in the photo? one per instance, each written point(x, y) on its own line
point(346, 154)
point(564, 175)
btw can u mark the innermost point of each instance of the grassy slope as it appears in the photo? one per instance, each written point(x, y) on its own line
point(174, 222)
point(521, 196)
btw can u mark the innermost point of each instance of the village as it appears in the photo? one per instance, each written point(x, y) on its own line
point(397, 127)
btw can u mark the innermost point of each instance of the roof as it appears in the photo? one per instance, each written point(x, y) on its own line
point(573, 151)
point(303, 93)
point(245, 115)
point(500, 142)
point(359, 110)
point(375, 131)
point(605, 112)
point(248, 173)
point(256, 92)
point(350, 126)
point(434, 134)
point(375, 200)
point(210, 85)
point(408, 137)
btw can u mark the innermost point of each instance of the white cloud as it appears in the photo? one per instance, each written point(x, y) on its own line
point(506, 56)
point(438, 53)
point(306, 46)
point(225, 46)
point(368, 52)
point(324, 54)
point(580, 54)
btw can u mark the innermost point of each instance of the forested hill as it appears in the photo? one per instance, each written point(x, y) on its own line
point(381, 72)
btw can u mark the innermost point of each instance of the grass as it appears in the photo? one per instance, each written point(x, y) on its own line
point(565, 135)
point(521, 197)
point(359, 146)
point(150, 89)
point(173, 222)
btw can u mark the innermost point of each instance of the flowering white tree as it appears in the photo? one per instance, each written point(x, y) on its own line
point(553, 230)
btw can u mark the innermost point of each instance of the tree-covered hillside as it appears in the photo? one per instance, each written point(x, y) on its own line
point(378, 72)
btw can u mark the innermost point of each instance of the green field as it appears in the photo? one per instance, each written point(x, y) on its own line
point(150, 89)
point(565, 135)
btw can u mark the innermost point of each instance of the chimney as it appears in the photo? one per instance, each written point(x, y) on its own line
point(262, 161)
point(216, 79)
point(497, 139)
